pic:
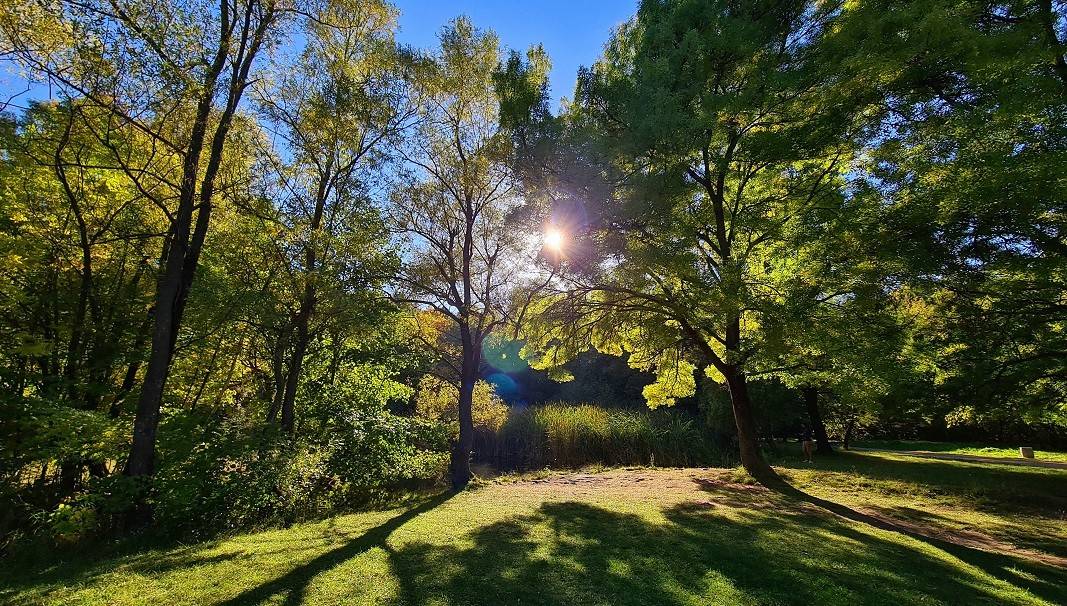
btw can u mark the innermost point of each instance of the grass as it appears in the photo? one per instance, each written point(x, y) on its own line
point(961, 448)
point(627, 536)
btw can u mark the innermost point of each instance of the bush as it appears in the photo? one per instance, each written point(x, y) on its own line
point(439, 400)
point(570, 436)
point(234, 478)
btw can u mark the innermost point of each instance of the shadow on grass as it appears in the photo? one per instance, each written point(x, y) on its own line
point(985, 486)
point(577, 553)
point(743, 544)
point(295, 582)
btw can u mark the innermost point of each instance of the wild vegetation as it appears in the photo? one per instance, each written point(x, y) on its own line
point(263, 264)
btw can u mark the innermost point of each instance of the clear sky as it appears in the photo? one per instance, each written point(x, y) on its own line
point(572, 31)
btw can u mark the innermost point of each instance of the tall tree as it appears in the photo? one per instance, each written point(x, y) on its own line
point(452, 206)
point(968, 172)
point(177, 73)
point(715, 144)
point(335, 109)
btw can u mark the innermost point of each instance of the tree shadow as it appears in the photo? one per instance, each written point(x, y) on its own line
point(701, 553)
point(991, 487)
point(294, 583)
point(1019, 532)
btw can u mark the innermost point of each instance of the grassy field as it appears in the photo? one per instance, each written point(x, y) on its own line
point(961, 448)
point(859, 529)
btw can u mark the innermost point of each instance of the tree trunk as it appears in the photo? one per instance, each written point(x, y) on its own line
point(307, 303)
point(279, 373)
point(848, 433)
point(292, 381)
point(460, 466)
point(130, 378)
point(141, 461)
point(747, 434)
point(818, 428)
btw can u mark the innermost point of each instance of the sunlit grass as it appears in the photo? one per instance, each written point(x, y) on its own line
point(638, 536)
point(962, 449)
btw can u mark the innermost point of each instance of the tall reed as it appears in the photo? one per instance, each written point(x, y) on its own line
point(573, 435)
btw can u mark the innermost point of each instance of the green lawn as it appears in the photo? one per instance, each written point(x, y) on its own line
point(961, 448)
point(866, 529)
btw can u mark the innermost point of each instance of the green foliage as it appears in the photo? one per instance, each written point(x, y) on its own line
point(564, 436)
point(234, 479)
point(968, 172)
point(438, 400)
point(864, 199)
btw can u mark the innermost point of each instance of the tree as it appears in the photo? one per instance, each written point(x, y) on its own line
point(968, 174)
point(715, 146)
point(177, 74)
point(451, 209)
point(77, 245)
point(333, 110)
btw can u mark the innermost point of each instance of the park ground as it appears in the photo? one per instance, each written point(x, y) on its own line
point(857, 528)
point(957, 448)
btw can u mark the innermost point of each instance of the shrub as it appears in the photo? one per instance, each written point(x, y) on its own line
point(570, 436)
point(235, 478)
point(439, 400)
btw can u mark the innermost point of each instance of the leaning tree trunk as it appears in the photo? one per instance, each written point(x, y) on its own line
point(811, 401)
point(141, 461)
point(747, 433)
point(307, 305)
point(186, 238)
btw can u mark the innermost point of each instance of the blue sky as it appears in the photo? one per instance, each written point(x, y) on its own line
point(573, 32)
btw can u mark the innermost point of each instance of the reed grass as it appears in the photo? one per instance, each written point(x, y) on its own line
point(568, 436)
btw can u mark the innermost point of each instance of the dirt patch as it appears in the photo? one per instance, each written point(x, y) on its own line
point(671, 480)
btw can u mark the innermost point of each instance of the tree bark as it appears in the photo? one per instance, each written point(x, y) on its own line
point(818, 428)
point(292, 380)
point(307, 303)
point(747, 433)
point(460, 465)
point(280, 373)
point(744, 419)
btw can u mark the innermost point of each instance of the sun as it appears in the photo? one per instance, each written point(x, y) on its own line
point(553, 238)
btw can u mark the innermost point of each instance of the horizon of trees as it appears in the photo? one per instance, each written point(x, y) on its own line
point(246, 238)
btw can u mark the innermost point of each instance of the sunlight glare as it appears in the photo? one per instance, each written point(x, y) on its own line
point(553, 238)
